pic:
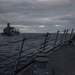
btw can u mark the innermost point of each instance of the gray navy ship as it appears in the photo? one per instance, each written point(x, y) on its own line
point(10, 31)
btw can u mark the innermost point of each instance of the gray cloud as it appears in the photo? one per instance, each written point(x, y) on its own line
point(37, 13)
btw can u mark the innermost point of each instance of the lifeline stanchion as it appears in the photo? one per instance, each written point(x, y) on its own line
point(71, 34)
point(45, 41)
point(44, 44)
point(61, 42)
point(56, 38)
point(16, 66)
point(66, 35)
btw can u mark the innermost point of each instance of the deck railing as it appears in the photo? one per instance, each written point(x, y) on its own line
point(25, 55)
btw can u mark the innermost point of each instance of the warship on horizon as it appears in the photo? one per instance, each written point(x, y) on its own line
point(9, 31)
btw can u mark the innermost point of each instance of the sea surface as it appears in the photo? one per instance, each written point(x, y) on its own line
point(33, 43)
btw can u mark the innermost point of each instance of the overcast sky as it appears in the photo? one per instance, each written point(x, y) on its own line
point(38, 16)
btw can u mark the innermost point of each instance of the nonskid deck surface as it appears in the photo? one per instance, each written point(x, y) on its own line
point(62, 61)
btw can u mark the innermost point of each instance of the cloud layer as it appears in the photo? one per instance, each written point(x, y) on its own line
point(38, 15)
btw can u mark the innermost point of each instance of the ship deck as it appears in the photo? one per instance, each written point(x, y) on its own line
point(61, 62)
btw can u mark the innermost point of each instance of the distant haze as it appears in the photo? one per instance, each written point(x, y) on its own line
point(38, 16)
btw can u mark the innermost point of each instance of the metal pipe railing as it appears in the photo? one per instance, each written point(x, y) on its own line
point(56, 38)
point(46, 40)
point(66, 35)
point(16, 66)
point(43, 46)
point(62, 37)
point(71, 34)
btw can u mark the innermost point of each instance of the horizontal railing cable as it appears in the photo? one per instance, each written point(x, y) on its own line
point(9, 57)
point(11, 43)
point(8, 64)
point(15, 55)
point(7, 70)
point(21, 40)
point(18, 53)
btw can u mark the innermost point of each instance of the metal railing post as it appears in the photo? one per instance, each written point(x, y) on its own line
point(62, 37)
point(56, 38)
point(19, 55)
point(45, 41)
point(66, 35)
point(71, 34)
